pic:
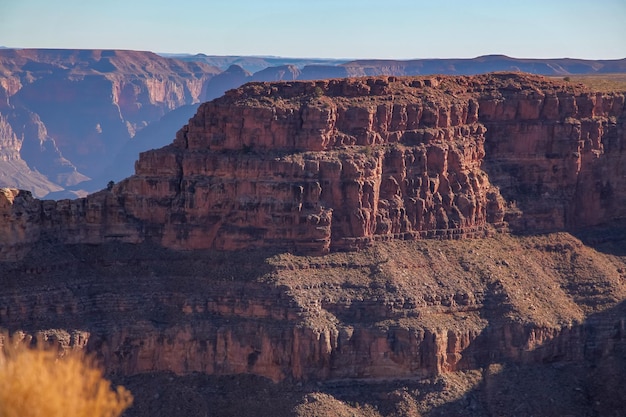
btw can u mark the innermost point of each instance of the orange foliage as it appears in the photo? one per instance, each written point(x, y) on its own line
point(38, 382)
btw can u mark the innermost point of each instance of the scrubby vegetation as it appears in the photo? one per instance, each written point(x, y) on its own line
point(42, 382)
point(599, 82)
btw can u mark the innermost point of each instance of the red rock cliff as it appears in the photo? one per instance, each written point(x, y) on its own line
point(558, 152)
point(323, 165)
point(316, 166)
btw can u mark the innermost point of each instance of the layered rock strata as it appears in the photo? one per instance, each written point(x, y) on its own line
point(558, 154)
point(396, 310)
point(321, 172)
point(336, 164)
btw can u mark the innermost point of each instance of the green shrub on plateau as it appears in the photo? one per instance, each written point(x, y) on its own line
point(36, 382)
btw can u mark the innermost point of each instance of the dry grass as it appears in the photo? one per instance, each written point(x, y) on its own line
point(600, 82)
point(38, 382)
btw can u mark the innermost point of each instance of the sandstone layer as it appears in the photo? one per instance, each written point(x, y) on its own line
point(337, 164)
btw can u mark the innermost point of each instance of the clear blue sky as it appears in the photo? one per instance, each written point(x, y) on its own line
point(401, 29)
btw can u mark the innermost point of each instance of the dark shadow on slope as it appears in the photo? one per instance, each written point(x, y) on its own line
point(609, 238)
point(163, 394)
point(551, 383)
point(83, 286)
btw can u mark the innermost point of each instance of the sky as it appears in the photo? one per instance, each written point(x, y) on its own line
point(345, 29)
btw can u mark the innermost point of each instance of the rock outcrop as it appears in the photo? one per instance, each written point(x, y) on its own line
point(318, 169)
point(337, 164)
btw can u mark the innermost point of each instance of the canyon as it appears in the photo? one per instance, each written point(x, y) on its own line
point(67, 113)
point(376, 246)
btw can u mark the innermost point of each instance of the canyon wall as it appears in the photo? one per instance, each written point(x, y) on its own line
point(319, 172)
point(73, 110)
point(395, 310)
point(560, 157)
point(336, 164)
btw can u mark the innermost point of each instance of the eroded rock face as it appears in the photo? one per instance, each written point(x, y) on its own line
point(10, 144)
point(73, 110)
point(394, 310)
point(317, 166)
point(560, 155)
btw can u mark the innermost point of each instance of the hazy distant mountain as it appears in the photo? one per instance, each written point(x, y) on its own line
point(281, 72)
point(255, 63)
point(483, 64)
point(451, 66)
point(157, 134)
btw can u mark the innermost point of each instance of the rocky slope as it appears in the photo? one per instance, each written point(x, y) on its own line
point(460, 327)
point(202, 272)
